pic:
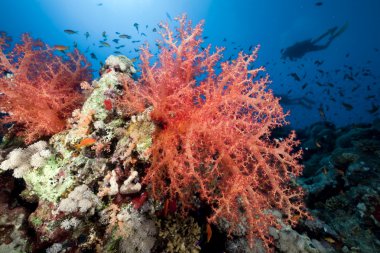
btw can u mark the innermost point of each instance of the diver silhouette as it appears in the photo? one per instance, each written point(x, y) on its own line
point(299, 49)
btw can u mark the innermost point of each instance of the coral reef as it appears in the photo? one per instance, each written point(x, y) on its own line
point(165, 162)
point(342, 180)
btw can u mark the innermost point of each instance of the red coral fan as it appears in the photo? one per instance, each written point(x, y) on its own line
point(39, 88)
point(213, 135)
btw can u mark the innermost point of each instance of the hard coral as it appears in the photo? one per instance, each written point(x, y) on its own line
point(213, 135)
point(39, 88)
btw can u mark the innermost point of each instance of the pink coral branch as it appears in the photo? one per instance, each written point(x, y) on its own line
point(213, 135)
point(41, 89)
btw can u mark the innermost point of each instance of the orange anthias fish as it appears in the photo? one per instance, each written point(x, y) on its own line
point(61, 48)
point(86, 142)
point(208, 232)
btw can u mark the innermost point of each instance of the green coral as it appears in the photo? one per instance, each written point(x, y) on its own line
point(47, 182)
point(96, 101)
point(36, 221)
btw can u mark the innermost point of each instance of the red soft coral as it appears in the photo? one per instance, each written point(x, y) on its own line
point(213, 135)
point(39, 88)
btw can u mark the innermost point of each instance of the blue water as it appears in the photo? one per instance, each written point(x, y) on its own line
point(235, 25)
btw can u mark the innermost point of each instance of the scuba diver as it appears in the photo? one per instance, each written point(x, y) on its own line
point(299, 49)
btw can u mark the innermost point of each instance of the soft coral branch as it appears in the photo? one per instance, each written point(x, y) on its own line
point(213, 135)
point(40, 89)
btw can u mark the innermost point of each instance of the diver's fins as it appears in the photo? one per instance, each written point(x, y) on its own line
point(341, 30)
point(328, 32)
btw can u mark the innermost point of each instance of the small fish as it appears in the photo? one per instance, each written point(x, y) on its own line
point(318, 62)
point(116, 40)
point(169, 17)
point(117, 52)
point(61, 48)
point(355, 88)
point(366, 74)
point(154, 30)
point(208, 232)
point(104, 34)
point(100, 4)
point(143, 34)
point(124, 36)
point(93, 56)
point(85, 143)
point(135, 41)
point(295, 76)
point(374, 109)
point(87, 34)
point(117, 33)
point(118, 47)
point(105, 44)
point(136, 25)
point(329, 240)
point(304, 86)
point(75, 44)
point(318, 3)
point(205, 37)
point(322, 113)
point(158, 46)
point(347, 106)
point(108, 104)
point(68, 31)
point(319, 83)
